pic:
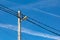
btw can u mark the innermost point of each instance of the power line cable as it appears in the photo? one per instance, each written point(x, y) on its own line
point(42, 27)
point(6, 9)
point(13, 12)
point(43, 24)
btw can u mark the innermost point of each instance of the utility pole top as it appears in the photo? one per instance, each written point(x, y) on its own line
point(19, 11)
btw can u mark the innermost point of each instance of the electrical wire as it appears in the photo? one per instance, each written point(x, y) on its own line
point(10, 11)
point(42, 27)
point(44, 24)
point(6, 9)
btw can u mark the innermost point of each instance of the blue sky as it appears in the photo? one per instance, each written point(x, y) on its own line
point(45, 11)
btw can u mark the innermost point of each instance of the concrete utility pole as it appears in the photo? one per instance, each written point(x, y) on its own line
point(19, 26)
